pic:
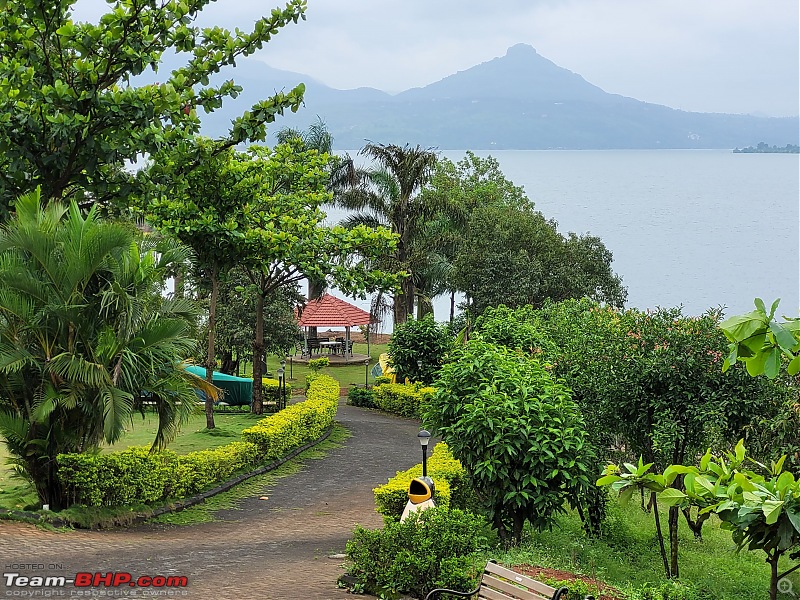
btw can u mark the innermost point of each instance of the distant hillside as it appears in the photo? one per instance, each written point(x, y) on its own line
point(518, 101)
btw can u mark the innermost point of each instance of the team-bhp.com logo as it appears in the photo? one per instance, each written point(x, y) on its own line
point(93, 580)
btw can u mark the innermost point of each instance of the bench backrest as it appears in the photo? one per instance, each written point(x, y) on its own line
point(499, 583)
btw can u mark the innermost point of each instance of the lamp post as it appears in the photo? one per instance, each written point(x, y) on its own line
point(281, 383)
point(366, 374)
point(283, 369)
point(424, 437)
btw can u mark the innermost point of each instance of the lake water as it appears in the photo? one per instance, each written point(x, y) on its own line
point(698, 228)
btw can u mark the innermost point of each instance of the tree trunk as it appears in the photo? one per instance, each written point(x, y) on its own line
point(227, 362)
point(211, 359)
point(316, 289)
point(773, 579)
point(452, 306)
point(674, 519)
point(519, 523)
point(424, 307)
point(696, 525)
point(179, 284)
point(659, 534)
point(258, 353)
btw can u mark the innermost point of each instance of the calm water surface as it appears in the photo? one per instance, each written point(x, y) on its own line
point(698, 228)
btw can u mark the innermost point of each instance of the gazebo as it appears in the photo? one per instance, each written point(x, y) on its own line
point(330, 311)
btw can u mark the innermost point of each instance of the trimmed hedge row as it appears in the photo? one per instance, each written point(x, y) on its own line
point(449, 477)
point(297, 424)
point(138, 476)
point(401, 399)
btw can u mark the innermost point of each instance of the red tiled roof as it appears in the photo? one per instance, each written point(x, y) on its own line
point(330, 311)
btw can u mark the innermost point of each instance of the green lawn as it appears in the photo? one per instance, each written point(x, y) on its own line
point(16, 493)
point(627, 555)
point(347, 376)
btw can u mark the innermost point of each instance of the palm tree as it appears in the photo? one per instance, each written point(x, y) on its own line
point(388, 195)
point(84, 333)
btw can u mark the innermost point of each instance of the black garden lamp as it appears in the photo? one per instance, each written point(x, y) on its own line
point(424, 438)
point(283, 392)
point(281, 387)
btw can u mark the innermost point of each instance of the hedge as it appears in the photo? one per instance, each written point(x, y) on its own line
point(138, 476)
point(449, 477)
point(299, 423)
point(401, 399)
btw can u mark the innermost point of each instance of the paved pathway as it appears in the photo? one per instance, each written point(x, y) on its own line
point(274, 549)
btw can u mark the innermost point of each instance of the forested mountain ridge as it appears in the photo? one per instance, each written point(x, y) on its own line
point(517, 101)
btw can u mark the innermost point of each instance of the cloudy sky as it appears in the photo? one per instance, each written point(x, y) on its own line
point(737, 56)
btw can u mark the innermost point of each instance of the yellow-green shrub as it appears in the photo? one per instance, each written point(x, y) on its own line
point(138, 476)
point(401, 399)
point(271, 390)
point(300, 423)
point(196, 471)
point(448, 477)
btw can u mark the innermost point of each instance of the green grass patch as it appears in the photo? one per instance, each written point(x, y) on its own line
point(345, 375)
point(627, 555)
point(206, 511)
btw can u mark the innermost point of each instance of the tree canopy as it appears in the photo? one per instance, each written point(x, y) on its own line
point(72, 110)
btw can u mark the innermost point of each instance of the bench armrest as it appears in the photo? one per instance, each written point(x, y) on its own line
point(433, 594)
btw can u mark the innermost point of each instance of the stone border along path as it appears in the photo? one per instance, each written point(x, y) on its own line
point(274, 549)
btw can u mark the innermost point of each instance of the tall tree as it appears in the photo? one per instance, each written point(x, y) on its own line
point(84, 329)
point(388, 194)
point(456, 190)
point(203, 210)
point(317, 137)
point(287, 241)
point(514, 256)
point(70, 118)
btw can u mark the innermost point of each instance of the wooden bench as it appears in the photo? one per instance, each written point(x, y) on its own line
point(499, 583)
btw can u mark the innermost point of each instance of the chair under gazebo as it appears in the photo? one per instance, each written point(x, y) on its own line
point(330, 311)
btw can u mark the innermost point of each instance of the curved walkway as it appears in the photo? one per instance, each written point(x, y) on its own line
point(273, 549)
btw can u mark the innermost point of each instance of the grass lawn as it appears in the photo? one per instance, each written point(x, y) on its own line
point(16, 493)
point(346, 376)
point(627, 555)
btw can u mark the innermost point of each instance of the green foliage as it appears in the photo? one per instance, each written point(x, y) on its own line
point(452, 485)
point(515, 429)
point(297, 424)
point(84, 331)
point(418, 348)
point(382, 380)
point(669, 590)
point(317, 364)
point(762, 510)
point(361, 397)
point(763, 343)
point(139, 476)
point(512, 255)
point(401, 399)
point(70, 117)
point(433, 548)
point(516, 329)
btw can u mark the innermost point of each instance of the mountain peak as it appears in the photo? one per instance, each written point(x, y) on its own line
point(521, 50)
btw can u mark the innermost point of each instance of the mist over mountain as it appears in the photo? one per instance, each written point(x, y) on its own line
point(517, 101)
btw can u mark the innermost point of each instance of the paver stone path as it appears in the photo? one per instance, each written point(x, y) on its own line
point(273, 549)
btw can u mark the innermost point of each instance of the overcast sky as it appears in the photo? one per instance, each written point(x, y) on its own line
point(737, 56)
